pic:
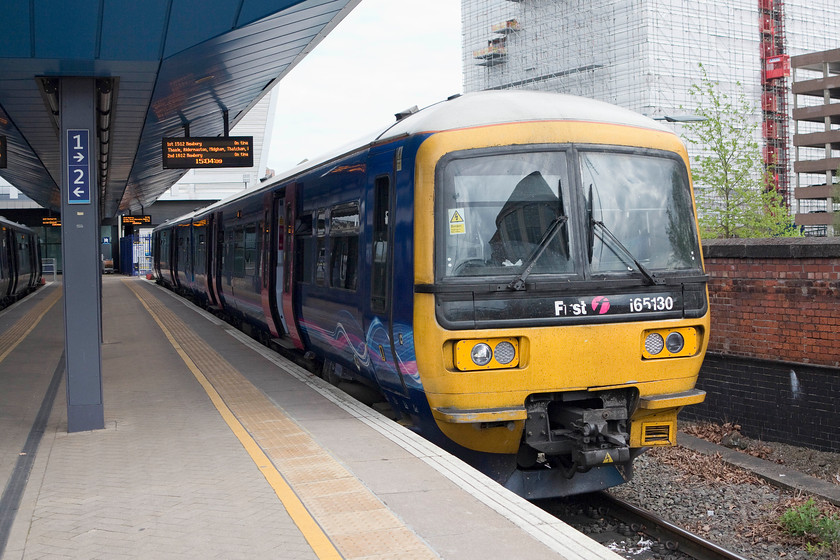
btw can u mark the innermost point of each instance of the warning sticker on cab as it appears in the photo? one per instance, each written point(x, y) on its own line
point(456, 221)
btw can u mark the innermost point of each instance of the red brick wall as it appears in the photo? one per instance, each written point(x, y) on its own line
point(775, 299)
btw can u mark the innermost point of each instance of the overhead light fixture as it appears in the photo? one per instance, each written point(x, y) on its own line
point(48, 86)
point(105, 88)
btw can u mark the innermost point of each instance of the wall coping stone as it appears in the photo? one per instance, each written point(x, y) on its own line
point(773, 248)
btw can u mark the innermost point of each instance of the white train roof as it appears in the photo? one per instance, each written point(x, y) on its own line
point(483, 108)
point(497, 107)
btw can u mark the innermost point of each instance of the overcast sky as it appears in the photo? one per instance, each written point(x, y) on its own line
point(386, 56)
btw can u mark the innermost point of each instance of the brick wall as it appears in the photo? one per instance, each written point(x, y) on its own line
point(775, 299)
point(774, 352)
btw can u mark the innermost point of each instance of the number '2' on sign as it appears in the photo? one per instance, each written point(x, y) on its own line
point(78, 166)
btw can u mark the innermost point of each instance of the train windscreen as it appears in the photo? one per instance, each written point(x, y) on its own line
point(502, 213)
point(569, 212)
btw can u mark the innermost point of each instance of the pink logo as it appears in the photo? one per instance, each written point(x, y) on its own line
point(600, 304)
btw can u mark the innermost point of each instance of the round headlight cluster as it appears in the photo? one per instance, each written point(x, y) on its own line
point(482, 354)
point(654, 343)
point(674, 342)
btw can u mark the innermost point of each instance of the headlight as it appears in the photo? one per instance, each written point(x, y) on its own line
point(674, 343)
point(481, 354)
point(504, 352)
point(654, 343)
point(487, 353)
point(671, 343)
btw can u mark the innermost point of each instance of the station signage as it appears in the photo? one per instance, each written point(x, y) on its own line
point(51, 221)
point(136, 220)
point(211, 152)
point(78, 166)
point(2, 152)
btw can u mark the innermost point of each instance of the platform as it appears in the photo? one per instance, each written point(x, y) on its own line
point(216, 447)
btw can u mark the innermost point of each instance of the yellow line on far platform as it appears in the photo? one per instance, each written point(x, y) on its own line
point(35, 316)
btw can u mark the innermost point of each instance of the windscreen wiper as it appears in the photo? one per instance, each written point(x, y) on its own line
point(642, 268)
point(518, 283)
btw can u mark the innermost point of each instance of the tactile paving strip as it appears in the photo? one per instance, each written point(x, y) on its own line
point(354, 520)
point(17, 332)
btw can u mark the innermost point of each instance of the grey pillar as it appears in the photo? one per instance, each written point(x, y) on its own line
point(80, 251)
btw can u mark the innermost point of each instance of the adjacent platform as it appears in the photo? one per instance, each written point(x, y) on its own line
point(216, 447)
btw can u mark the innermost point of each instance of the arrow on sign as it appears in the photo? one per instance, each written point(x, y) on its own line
point(78, 169)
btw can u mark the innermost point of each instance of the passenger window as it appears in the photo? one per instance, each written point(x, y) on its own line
point(344, 246)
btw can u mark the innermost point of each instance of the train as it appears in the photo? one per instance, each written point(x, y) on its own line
point(518, 274)
point(20, 261)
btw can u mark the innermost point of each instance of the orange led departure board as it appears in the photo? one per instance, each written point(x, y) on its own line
point(136, 220)
point(208, 152)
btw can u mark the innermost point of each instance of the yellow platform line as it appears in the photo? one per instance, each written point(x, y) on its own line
point(323, 498)
point(16, 334)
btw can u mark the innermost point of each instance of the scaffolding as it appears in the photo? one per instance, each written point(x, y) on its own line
point(775, 70)
point(516, 45)
point(645, 54)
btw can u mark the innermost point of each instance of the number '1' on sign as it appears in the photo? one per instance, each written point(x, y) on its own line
point(78, 166)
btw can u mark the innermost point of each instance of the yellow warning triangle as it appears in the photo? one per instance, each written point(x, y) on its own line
point(608, 459)
point(456, 218)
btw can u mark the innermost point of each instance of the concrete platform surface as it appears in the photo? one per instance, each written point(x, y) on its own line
point(216, 447)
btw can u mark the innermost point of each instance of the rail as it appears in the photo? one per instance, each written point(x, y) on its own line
point(675, 537)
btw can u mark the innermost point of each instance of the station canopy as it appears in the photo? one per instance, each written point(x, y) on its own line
point(162, 67)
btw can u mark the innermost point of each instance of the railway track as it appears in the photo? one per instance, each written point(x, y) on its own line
point(627, 521)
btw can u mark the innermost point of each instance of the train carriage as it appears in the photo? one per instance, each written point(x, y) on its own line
point(517, 273)
point(20, 261)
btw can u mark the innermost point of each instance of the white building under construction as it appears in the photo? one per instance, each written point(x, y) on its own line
point(644, 54)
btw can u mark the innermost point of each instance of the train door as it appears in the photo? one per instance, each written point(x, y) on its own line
point(37, 272)
point(224, 246)
point(177, 242)
point(384, 338)
point(213, 256)
point(169, 250)
point(5, 264)
point(276, 263)
point(189, 253)
point(25, 268)
point(14, 262)
point(284, 289)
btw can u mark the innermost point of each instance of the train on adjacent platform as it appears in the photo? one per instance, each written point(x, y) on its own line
point(20, 261)
point(518, 274)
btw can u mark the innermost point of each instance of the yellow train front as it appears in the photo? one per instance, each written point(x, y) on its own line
point(517, 273)
point(560, 305)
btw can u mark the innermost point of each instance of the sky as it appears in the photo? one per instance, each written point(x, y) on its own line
point(385, 56)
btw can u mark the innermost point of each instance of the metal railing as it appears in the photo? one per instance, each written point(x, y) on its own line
point(49, 266)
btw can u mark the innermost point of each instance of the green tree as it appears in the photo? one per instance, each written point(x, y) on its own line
point(736, 196)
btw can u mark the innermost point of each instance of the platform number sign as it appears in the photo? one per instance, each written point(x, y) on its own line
point(78, 166)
